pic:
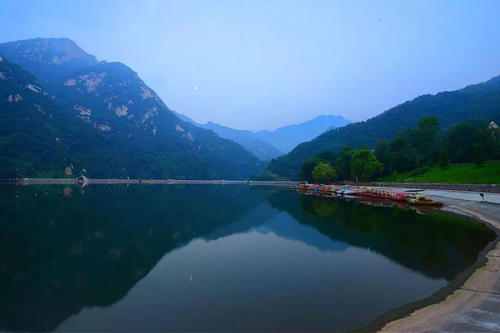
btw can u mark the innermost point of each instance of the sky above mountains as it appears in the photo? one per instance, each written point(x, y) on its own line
point(263, 64)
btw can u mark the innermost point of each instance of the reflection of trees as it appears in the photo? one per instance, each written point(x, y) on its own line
point(435, 245)
point(58, 254)
point(323, 208)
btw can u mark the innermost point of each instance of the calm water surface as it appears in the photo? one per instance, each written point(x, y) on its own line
point(213, 257)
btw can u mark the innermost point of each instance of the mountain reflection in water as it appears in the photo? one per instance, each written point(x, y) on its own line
point(216, 257)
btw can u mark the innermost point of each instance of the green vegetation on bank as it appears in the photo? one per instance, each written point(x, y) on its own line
point(488, 173)
point(480, 102)
point(324, 173)
point(421, 154)
point(360, 164)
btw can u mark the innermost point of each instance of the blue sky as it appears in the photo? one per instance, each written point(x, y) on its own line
point(262, 64)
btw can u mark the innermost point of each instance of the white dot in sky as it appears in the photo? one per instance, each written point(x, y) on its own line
point(195, 88)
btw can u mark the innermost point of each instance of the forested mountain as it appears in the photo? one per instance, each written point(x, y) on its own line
point(475, 102)
point(33, 136)
point(268, 145)
point(111, 123)
point(260, 148)
point(288, 137)
point(248, 139)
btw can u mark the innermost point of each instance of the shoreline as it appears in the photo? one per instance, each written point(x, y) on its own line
point(90, 181)
point(456, 187)
point(471, 302)
point(486, 188)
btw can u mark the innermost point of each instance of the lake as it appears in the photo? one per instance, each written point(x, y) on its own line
point(216, 257)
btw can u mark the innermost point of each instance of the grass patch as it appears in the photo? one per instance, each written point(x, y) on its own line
point(488, 173)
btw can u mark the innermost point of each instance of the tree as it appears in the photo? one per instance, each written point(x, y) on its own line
point(323, 173)
point(423, 139)
point(343, 162)
point(494, 151)
point(403, 156)
point(476, 154)
point(365, 166)
point(383, 154)
point(429, 126)
point(327, 156)
point(426, 137)
point(443, 158)
point(307, 168)
point(309, 165)
point(467, 139)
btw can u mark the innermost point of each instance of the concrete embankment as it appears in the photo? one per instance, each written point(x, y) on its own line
point(41, 181)
point(26, 181)
point(484, 188)
point(475, 305)
point(488, 188)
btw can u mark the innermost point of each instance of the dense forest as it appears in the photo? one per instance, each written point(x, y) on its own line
point(99, 119)
point(476, 102)
point(413, 149)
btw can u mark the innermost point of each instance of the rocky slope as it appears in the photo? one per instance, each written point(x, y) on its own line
point(109, 100)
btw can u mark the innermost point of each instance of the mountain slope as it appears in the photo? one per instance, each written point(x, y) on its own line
point(288, 137)
point(475, 102)
point(260, 148)
point(27, 142)
point(38, 138)
point(268, 145)
point(148, 140)
point(47, 58)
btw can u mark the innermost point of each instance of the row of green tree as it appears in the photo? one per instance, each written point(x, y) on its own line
point(358, 164)
point(412, 148)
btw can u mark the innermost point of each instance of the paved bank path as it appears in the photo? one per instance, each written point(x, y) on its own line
point(474, 307)
point(466, 196)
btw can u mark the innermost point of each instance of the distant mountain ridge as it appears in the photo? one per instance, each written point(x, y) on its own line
point(263, 144)
point(144, 138)
point(48, 59)
point(475, 102)
point(260, 148)
point(288, 137)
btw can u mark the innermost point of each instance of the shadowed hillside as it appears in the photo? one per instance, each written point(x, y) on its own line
point(475, 102)
point(144, 138)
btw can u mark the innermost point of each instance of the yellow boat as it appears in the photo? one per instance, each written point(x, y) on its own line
point(421, 200)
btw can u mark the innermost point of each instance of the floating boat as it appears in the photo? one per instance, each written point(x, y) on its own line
point(415, 190)
point(423, 201)
point(407, 196)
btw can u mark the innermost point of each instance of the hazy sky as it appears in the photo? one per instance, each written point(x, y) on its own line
point(261, 64)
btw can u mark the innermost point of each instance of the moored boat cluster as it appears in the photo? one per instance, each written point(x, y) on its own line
point(409, 196)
